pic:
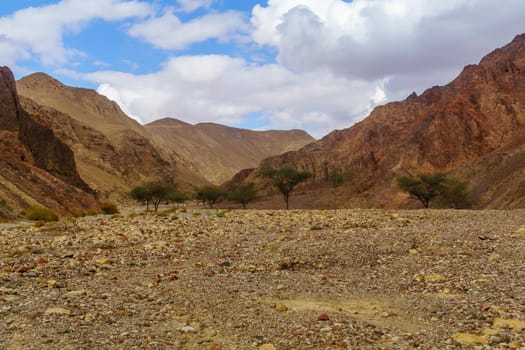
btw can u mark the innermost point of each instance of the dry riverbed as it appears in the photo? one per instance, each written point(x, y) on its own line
point(346, 279)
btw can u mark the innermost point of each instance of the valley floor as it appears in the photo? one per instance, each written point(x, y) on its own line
point(261, 279)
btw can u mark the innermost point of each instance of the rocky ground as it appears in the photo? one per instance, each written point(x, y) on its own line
point(201, 279)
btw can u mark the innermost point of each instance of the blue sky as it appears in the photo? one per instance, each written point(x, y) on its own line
point(317, 65)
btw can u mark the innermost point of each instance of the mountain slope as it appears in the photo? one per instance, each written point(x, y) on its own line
point(37, 168)
point(218, 152)
point(113, 151)
point(475, 121)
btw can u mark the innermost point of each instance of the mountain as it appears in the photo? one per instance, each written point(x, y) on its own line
point(37, 167)
point(473, 127)
point(113, 152)
point(218, 152)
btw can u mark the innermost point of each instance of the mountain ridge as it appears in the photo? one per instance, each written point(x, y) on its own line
point(444, 129)
point(218, 151)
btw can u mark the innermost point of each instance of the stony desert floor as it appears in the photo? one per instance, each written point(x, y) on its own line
point(260, 279)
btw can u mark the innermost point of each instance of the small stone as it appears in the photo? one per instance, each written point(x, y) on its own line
point(103, 261)
point(435, 278)
point(413, 252)
point(516, 325)
point(188, 329)
point(281, 308)
point(494, 257)
point(5, 290)
point(323, 317)
point(51, 283)
point(77, 293)
point(9, 298)
point(520, 232)
point(489, 331)
point(57, 311)
point(469, 339)
point(32, 274)
point(267, 347)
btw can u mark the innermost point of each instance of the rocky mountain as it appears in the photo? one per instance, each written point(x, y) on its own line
point(113, 152)
point(218, 152)
point(37, 167)
point(473, 127)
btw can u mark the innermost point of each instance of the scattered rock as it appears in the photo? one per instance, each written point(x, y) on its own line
point(469, 339)
point(57, 311)
point(78, 293)
point(323, 317)
point(103, 261)
point(516, 325)
point(267, 347)
point(434, 278)
point(188, 329)
point(281, 308)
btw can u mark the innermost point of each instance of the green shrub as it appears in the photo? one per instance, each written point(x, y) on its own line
point(109, 208)
point(36, 213)
point(39, 223)
point(77, 212)
point(92, 211)
point(220, 214)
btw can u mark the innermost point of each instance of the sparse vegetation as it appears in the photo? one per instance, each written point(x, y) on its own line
point(155, 192)
point(109, 208)
point(37, 213)
point(285, 180)
point(242, 193)
point(78, 212)
point(426, 187)
point(209, 195)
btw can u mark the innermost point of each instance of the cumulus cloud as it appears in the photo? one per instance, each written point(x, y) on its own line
point(192, 5)
point(223, 89)
point(169, 32)
point(334, 60)
point(398, 39)
point(39, 30)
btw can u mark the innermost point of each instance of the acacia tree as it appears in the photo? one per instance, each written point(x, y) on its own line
point(426, 187)
point(209, 195)
point(285, 180)
point(154, 192)
point(242, 193)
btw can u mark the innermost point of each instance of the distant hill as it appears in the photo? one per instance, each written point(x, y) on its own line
point(217, 152)
point(473, 127)
point(113, 151)
point(37, 167)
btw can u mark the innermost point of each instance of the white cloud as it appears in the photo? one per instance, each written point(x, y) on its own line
point(396, 39)
point(223, 89)
point(334, 59)
point(39, 30)
point(169, 32)
point(192, 5)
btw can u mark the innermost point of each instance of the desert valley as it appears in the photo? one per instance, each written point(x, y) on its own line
point(357, 263)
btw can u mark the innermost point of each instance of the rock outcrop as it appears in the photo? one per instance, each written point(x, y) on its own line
point(473, 127)
point(37, 168)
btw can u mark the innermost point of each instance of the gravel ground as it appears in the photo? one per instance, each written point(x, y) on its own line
point(261, 279)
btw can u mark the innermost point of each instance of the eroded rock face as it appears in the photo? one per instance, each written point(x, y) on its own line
point(37, 166)
point(113, 152)
point(449, 128)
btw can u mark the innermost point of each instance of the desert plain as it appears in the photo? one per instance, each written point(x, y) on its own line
point(266, 279)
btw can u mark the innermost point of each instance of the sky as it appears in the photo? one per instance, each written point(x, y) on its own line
point(316, 65)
